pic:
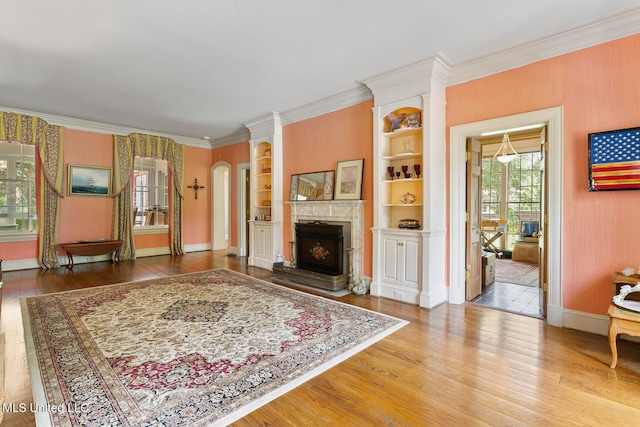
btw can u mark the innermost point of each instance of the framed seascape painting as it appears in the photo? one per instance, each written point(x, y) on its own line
point(614, 160)
point(349, 180)
point(89, 181)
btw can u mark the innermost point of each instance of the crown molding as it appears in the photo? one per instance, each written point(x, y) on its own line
point(425, 76)
point(105, 128)
point(236, 138)
point(562, 42)
point(327, 105)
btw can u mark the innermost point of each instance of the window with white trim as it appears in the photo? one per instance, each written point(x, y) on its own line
point(151, 192)
point(17, 189)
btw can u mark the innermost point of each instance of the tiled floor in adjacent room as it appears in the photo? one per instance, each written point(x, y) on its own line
point(509, 297)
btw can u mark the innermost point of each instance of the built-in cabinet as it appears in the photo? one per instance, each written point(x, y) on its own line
point(401, 255)
point(409, 150)
point(265, 223)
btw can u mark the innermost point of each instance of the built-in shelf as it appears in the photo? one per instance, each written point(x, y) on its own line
point(397, 181)
point(403, 132)
point(402, 156)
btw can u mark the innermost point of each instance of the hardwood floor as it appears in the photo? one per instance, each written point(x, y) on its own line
point(453, 365)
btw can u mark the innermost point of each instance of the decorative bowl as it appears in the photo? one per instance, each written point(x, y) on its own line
point(408, 198)
point(409, 223)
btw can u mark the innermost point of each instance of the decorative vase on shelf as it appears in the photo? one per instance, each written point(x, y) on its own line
point(408, 198)
point(395, 120)
point(407, 150)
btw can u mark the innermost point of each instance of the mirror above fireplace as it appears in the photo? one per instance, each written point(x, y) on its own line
point(312, 186)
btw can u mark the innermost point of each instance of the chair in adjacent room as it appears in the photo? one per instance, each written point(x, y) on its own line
point(526, 249)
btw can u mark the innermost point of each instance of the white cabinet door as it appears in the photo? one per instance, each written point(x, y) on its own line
point(401, 260)
point(263, 241)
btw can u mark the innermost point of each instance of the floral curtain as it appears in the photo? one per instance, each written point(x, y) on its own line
point(49, 140)
point(126, 148)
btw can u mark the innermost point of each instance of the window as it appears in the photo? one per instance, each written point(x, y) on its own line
point(524, 193)
point(151, 192)
point(491, 188)
point(523, 180)
point(17, 188)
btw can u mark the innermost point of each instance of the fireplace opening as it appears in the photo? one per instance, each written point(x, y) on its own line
point(320, 247)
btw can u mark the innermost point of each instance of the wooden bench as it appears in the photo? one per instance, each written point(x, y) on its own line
point(89, 248)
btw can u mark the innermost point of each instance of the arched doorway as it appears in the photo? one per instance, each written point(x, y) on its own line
point(220, 213)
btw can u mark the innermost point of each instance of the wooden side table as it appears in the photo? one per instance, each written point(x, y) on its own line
point(621, 322)
point(90, 248)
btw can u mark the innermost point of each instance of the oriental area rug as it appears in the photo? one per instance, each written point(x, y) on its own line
point(200, 349)
point(516, 272)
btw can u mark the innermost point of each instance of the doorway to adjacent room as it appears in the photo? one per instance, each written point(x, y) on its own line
point(510, 210)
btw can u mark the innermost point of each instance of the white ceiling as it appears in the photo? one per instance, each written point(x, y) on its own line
point(203, 67)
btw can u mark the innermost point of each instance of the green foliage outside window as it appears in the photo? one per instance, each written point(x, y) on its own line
point(523, 192)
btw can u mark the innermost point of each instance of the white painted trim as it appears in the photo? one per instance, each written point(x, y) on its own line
point(164, 250)
point(104, 128)
point(8, 237)
point(244, 171)
point(198, 247)
point(151, 229)
point(327, 105)
point(553, 117)
point(20, 264)
point(236, 138)
point(581, 36)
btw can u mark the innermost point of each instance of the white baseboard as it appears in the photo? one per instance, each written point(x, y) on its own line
point(20, 264)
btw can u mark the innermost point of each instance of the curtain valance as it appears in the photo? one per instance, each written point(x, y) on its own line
point(126, 148)
point(143, 145)
point(48, 138)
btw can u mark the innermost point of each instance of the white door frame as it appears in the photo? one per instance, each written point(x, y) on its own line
point(243, 172)
point(553, 118)
point(216, 198)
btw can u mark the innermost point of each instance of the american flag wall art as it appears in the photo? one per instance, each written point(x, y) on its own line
point(614, 160)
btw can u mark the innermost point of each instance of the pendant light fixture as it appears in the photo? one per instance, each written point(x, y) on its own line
point(502, 155)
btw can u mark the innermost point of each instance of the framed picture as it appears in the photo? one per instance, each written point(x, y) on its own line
point(89, 181)
point(349, 180)
point(614, 160)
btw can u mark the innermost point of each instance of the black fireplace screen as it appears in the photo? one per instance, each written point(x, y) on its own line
point(319, 247)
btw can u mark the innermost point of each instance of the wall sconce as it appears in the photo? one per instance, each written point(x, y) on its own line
point(195, 187)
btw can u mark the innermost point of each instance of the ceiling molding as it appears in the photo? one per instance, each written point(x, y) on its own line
point(426, 76)
point(104, 128)
point(236, 138)
point(327, 105)
point(570, 40)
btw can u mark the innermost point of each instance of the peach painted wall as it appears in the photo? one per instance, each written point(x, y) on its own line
point(318, 144)
point(598, 88)
point(234, 155)
point(85, 217)
point(197, 212)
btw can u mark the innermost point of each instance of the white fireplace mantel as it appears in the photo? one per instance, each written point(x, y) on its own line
point(335, 210)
